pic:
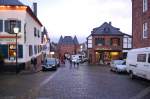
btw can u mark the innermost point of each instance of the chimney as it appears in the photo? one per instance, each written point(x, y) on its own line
point(109, 23)
point(35, 8)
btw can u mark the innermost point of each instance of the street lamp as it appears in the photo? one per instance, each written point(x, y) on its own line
point(16, 31)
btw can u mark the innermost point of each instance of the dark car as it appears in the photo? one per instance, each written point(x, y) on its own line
point(49, 64)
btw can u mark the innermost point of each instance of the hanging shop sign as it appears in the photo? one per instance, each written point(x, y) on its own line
point(7, 40)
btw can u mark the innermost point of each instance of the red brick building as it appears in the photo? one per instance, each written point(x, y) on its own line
point(141, 23)
point(105, 44)
point(67, 46)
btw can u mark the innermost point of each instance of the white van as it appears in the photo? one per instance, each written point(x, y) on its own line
point(138, 63)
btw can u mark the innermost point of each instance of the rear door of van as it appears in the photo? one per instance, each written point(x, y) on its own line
point(147, 66)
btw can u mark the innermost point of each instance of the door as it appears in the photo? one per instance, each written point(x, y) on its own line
point(147, 67)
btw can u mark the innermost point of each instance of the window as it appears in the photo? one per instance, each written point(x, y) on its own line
point(145, 5)
point(10, 24)
point(30, 50)
point(99, 41)
point(1, 25)
point(149, 58)
point(141, 58)
point(89, 42)
point(115, 41)
point(125, 42)
point(145, 30)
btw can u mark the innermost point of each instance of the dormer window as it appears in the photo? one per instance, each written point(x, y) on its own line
point(106, 30)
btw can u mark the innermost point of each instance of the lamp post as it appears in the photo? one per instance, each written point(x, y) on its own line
point(16, 31)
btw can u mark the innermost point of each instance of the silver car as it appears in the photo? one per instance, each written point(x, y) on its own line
point(118, 65)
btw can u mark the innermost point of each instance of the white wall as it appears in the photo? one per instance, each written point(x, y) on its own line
point(24, 17)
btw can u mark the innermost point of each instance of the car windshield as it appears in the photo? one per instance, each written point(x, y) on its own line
point(119, 62)
point(50, 62)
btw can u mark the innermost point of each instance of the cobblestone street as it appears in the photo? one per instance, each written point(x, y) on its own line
point(83, 82)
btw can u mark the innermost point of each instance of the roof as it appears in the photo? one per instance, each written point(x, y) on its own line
point(11, 2)
point(68, 40)
point(60, 40)
point(106, 29)
point(18, 3)
point(75, 40)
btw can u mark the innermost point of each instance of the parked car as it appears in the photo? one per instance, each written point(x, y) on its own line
point(138, 63)
point(118, 65)
point(49, 64)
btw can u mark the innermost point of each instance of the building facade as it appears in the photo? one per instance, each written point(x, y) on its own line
point(141, 23)
point(67, 46)
point(16, 14)
point(105, 43)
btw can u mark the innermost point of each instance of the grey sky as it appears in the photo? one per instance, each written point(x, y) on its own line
point(79, 17)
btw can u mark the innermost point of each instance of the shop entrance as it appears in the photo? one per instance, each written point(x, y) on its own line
point(104, 57)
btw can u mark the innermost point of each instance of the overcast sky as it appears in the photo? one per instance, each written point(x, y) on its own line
point(79, 17)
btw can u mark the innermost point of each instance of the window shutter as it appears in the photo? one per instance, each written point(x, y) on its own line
point(19, 25)
point(1, 25)
point(7, 26)
point(35, 32)
point(20, 51)
point(4, 50)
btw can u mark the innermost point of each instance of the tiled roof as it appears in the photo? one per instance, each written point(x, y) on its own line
point(68, 40)
point(60, 40)
point(107, 28)
point(75, 40)
point(11, 2)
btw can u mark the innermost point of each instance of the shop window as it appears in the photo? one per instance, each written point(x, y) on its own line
point(115, 41)
point(141, 58)
point(10, 24)
point(1, 25)
point(99, 41)
point(30, 50)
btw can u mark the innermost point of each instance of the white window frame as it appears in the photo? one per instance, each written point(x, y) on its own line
point(145, 30)
point(145, 5)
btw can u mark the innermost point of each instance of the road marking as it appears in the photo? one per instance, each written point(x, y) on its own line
point(48, 79)
point(142, 93)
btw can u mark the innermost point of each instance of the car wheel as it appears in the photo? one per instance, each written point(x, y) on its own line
point(111, 70)
point(43, 69)
point(132, 76)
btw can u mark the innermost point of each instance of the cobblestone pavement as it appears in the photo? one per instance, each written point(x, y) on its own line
point(21, 86)
point(69, 82)
point(92, 82)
